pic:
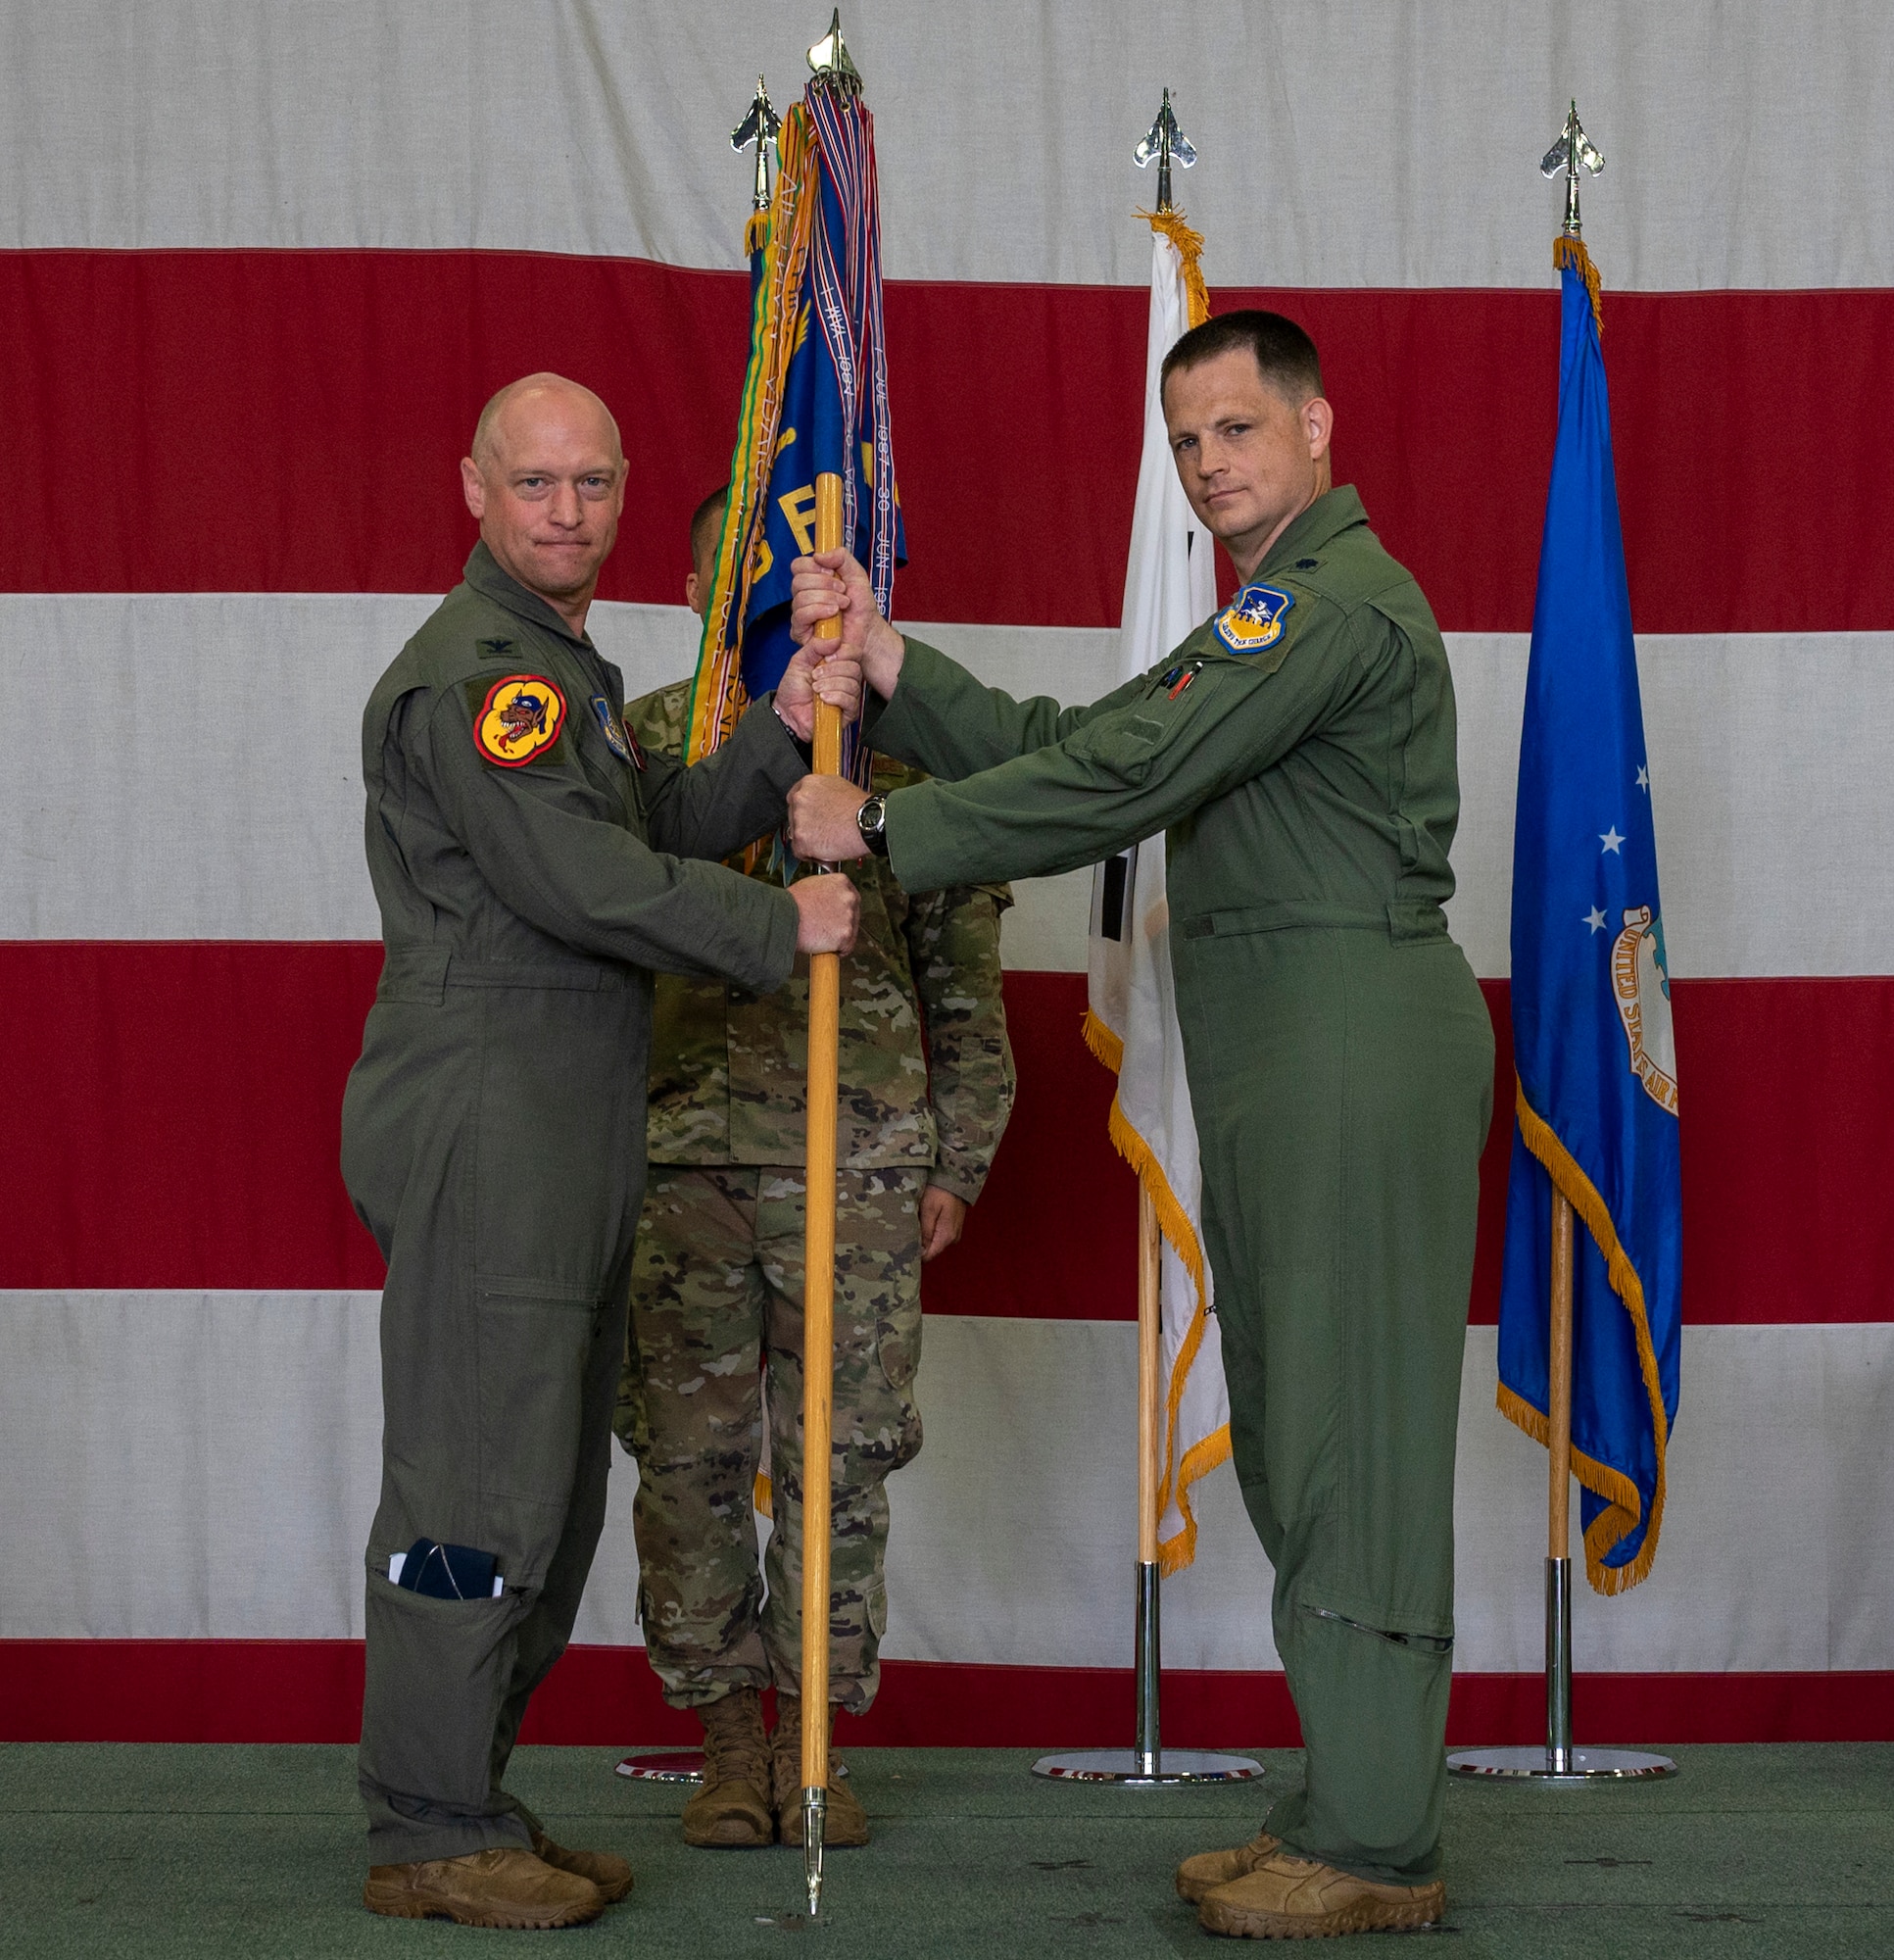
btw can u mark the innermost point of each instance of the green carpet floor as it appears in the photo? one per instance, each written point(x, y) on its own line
point(110, 1850)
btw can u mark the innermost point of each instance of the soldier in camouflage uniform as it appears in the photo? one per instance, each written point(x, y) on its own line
point(716, 1295)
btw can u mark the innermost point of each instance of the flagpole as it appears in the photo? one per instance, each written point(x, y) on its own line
point(1558, 1556)
point(758, 127)
point(1144, 1765)
point(1558, 1761)
point(1147, 1645)
point(818, 1292)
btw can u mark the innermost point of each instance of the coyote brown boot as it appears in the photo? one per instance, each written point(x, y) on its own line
point(1287, 1898)
point(611, 1876)
point(1208, 1869)
point(731, 1810)
point(504, 1884)
point(845, 1822)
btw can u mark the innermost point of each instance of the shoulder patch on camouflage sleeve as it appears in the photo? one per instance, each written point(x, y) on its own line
point(519, 718)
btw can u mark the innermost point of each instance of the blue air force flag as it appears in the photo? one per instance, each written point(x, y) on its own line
point(1597, 1090)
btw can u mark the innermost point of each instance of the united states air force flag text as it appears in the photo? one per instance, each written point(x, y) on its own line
point(1597, 1095)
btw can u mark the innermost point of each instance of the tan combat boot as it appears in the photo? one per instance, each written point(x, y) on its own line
point(1287, 1898)
point(506, 1885)
point(611, 1874)
point(730, 1812)
point(845, 1822)
point(1208, 1869)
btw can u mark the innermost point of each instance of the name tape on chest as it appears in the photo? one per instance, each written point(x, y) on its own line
point(521, 718)
point(1252, 621)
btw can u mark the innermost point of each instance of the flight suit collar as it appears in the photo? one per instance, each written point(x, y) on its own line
point(483, 573)
point(1331, 513)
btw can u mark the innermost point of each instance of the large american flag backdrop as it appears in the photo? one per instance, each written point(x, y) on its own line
point(261, 268)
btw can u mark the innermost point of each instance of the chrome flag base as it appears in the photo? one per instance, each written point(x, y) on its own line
point(666, 1766)
point(1136, 1772)
point(1147, 1766)
point(678, 1766)
point(1555, 1760)
point(1545, 1764)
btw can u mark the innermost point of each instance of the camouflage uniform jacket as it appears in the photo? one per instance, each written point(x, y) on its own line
point(728, 1066)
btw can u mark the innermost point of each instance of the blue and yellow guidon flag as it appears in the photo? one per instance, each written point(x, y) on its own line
point(1597, 1093)
point(815, 404)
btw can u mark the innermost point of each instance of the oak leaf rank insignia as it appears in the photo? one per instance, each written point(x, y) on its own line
point(1253, 621)
point(520, 718)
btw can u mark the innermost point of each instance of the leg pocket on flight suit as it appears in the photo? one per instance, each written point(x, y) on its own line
point(534, 1344)
point(437, 1671)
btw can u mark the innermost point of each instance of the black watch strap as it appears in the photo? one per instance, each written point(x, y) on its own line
point(871, 819)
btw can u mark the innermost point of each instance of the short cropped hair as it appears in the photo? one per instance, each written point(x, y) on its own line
point(707, 517)
point(1283, 352)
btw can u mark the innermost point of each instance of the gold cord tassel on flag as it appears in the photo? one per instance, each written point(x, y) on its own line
point(1570, 251)
point(1190, 251)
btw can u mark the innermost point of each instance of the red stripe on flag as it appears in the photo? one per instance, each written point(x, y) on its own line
point(607, 1697)
point(291, 421)
point(191, 1136)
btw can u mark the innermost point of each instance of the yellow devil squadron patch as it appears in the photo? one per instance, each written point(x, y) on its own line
point(520, 718)
point(1253, 621)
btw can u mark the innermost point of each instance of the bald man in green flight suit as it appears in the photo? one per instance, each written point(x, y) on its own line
point(1298, 749)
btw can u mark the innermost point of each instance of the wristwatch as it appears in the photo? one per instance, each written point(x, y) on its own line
point(871, 819)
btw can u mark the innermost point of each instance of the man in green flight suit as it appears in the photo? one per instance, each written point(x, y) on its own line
point(716, 1293)
point(531, 867)
point(1298, 751)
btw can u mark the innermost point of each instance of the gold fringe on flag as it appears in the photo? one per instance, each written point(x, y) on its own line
point(1189, 248)
point(1624, 1503)
point(1174, 1222)
point(755, 233)
point(1570, 251)
point(717, 699)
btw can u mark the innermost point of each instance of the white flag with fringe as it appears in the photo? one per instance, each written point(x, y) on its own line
point(1131, 1022)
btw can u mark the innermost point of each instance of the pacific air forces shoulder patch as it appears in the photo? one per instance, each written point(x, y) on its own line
point(608, 726)
point(1252, 621)
point(617, 734)
point(520, 718)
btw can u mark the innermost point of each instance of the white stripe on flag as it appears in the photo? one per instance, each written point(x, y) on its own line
point(204, 1466)
point(1342, 145)
point(223, 796)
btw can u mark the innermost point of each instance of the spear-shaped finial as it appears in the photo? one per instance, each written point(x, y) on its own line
point(1572, 149)
point(760, 126)
point(1169, 145)
point(829, 58)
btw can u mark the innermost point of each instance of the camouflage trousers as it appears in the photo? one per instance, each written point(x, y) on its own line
point(715, 1342)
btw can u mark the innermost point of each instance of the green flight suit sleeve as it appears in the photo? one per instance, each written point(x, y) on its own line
point(731, 798)
point(947, 723)
point(953, 952)
point(555, 848)
point(1128, 767)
